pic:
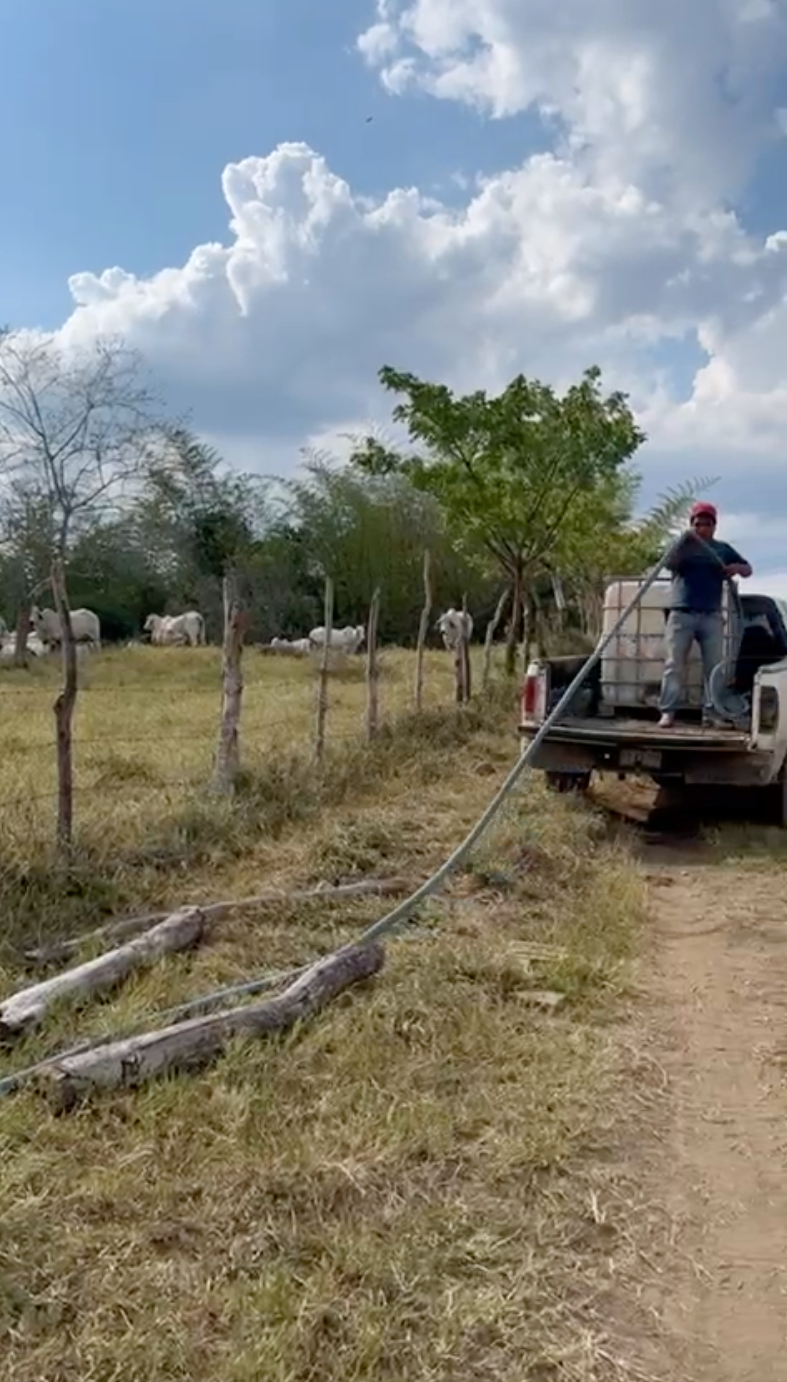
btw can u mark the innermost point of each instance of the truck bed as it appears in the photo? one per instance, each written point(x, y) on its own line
point(632, 731)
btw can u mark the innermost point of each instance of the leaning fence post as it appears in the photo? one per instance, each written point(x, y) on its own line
point(372, 670)
point(423, 629)
point(64, 712)
point(324, 677)
point(491, 630)
point(228, 749)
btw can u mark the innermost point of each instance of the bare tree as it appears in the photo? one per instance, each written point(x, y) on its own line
point(74, 426)
point(27, 543)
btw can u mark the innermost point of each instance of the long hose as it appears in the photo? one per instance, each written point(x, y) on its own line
point(404, 909)
point(401, 913)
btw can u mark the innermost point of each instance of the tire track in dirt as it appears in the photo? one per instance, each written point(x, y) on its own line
point(717, 1026)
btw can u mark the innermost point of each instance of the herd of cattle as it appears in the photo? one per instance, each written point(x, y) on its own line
point(45, 635)
point(188, 630)
point(452, 625)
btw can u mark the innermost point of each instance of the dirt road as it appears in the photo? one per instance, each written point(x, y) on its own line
point(717, 1164)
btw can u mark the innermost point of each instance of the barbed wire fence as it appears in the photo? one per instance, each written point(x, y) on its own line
point(92, 762)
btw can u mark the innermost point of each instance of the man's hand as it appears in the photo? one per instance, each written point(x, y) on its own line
point(738, 568)
point(683, 548)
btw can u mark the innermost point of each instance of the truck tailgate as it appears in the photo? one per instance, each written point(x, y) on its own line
point(613, 733)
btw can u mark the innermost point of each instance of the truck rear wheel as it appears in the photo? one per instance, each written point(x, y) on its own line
point(568, 782)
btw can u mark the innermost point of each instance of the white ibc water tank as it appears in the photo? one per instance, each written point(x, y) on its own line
point(633, 664)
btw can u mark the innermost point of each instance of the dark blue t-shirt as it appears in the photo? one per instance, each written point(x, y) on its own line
point(698, 574)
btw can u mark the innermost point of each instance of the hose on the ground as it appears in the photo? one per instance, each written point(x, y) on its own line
point(403, 912)
point(407, 906)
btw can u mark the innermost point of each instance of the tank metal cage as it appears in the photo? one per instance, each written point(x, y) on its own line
point(633, 665)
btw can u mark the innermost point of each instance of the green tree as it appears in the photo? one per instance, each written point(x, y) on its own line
point(110, 572)
point(197, 519)
point(604, 537)
point(367, 531)
point(507, 469)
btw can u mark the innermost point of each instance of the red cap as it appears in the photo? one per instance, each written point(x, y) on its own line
point(704, 510)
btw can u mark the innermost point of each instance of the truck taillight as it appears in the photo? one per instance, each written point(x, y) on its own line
point(534, 693)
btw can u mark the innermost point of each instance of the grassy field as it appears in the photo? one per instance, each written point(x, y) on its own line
point(407, 1188)
point(146, 726)
point(145, 734)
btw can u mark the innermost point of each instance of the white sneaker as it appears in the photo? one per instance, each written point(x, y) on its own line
point(667, 721)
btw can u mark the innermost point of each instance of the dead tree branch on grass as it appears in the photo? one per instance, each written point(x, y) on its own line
point(28, 1007)
point(125, 927)
point(191, 1045)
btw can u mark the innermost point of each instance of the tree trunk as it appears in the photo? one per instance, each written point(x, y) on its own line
point(423, 629)
point(531, 627)
point(512, 637)
point(559, 598)
point(491, 630)
point(64, 713)
point(27, 1008)
point(228, 750)
point(192, 1044)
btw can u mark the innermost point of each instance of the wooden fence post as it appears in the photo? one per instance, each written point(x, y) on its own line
point(228, 749)
point(462, 660)
point(423, 629)
point(491, 630)
point(372, 670)
point(325, 668)
point(64, 712)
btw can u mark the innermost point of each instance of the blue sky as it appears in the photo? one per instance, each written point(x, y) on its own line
point(627, 229)
point(121, 114)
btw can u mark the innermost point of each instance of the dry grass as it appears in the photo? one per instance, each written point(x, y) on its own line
point(146, 728)
point(144, 736)
point(402, 1189)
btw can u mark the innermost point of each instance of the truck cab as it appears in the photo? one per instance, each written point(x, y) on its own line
point(611, 723)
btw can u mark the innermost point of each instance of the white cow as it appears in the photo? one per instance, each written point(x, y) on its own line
point(297, 646)
point(346, 640)
point(85, 626)
point(176, 630)
point(452, 624)
point(8, 646)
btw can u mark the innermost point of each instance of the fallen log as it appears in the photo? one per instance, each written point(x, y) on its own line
point(27, 1008)
point(134, 926)
point(192, 1045)
point(9, 1084)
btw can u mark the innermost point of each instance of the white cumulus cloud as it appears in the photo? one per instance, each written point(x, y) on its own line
point(666, 93)
point(620, 243)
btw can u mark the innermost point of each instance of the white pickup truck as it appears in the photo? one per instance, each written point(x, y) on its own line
point(611, 724)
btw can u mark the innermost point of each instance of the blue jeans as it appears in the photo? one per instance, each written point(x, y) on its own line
point(683, 626)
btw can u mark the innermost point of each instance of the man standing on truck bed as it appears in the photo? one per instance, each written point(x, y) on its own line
point(699, 567)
